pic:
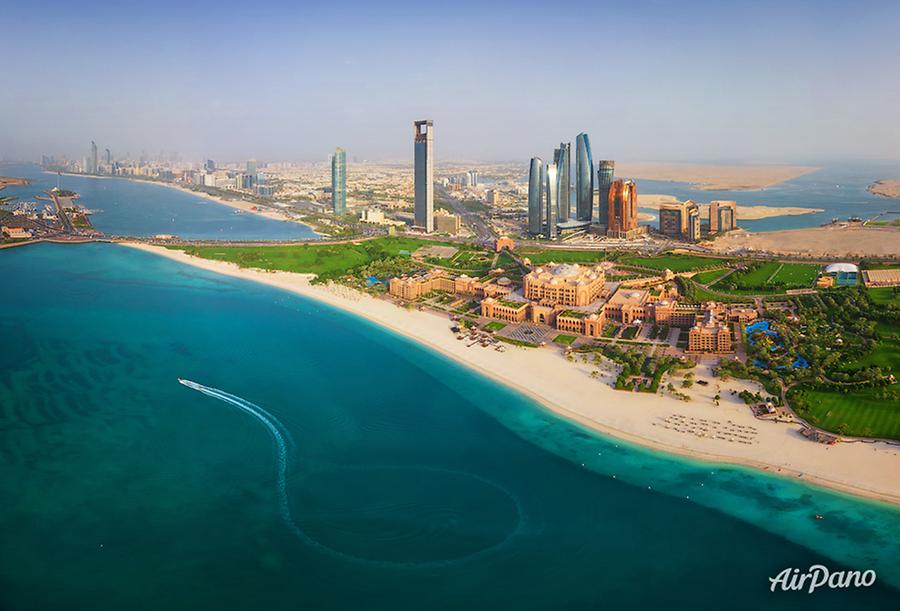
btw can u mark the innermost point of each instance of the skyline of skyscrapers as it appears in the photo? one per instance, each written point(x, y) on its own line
point(339, 182)
point(606, 174)
point(424, 174)
point(584, 179)
point(535, 195)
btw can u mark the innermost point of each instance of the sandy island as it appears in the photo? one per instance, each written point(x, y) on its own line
point(841, 240)
point(744, 213)
point(865, 469)
point(885, 188)
point(714, 177)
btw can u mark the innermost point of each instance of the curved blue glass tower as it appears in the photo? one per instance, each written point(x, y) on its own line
point(584, 178)
point(606, 169)
point(562, 158)
point(552, 201)
point(535, 191)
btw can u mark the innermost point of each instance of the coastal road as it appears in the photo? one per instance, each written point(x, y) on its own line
point(63, 217)
point(483, 233)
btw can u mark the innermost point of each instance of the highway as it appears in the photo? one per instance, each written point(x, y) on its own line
point(483, 233)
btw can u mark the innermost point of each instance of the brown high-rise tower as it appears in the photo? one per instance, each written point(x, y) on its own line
point(622, 211)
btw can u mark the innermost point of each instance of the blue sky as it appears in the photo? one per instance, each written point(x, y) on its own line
point(700, 81)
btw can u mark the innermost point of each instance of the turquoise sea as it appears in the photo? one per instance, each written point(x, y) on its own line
point(126, 207)
point(328, 464)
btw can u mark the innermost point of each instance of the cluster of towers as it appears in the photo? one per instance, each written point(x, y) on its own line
point(550, 194)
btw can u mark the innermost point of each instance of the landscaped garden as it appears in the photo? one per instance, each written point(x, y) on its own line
point(838, 355)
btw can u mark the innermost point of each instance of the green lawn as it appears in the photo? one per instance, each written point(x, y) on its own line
point(861, 412)
point(768, 277)
point(800, 275)
point(755, 278)
point(564, 339)
point(506, 261)
point(676, 263)
point(494, 326)
point(885, 295)
point(709, 277)
point(629, 332)
point(539, 257)
point(324, 259)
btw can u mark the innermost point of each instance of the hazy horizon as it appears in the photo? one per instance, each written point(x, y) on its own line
point(650, 81)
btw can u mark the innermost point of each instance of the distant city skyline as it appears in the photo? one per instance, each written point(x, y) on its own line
point(687, 81)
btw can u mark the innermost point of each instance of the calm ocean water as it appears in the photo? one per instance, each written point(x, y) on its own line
point(408, 482)
point(130, 208)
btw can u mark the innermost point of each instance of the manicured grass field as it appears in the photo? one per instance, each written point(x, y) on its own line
point(564, 339)
point(564, 256)
point(709, 277)
point(676, 263)
point(770, 276)
point(800, 275)
point(884, 295)
point(322, 259)
point(757, 278)
point(495, 326)
point(861, 411)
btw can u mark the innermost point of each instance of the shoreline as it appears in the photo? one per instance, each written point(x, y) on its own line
point(567, 390)
point(887, 188)
point(754, 212)
point(242, 205)
point(843, 240)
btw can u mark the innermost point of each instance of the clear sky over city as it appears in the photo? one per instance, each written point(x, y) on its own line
point(658, 80)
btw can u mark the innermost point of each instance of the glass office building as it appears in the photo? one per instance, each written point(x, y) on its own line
point(606, 170)
point(339, 182)
point(562, 158)
point(424, 168)
point(584, 178)
point(552, 201)
point(535, 192)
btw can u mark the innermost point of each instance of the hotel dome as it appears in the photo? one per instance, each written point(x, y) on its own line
point(835, 268)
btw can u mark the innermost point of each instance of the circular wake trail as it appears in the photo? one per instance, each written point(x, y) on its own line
point(280, 435)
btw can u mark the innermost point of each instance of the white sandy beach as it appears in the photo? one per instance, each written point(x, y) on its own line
point(866, 469)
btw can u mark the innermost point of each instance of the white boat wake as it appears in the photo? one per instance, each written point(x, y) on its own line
point(281, 438)
point(274, 427)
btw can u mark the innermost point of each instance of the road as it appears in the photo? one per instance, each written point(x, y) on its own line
point(483, 233)
point(63, 217)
